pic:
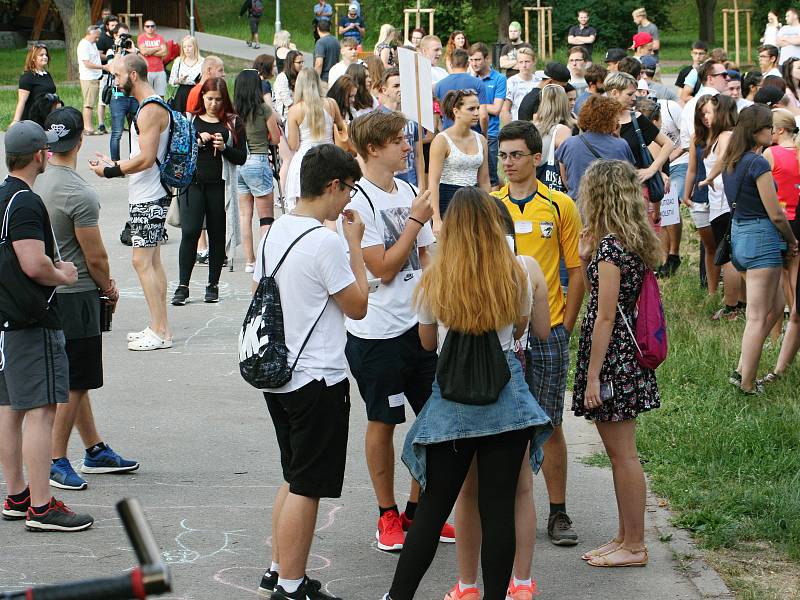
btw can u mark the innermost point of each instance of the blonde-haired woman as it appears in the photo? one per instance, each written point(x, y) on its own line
point(555, 123)
point(282, 40)
point(386, 47)
point(186, 71)
point(475, 285)
point(518, 86)
point(310, 122)
point(34, 82)
point(616, 248)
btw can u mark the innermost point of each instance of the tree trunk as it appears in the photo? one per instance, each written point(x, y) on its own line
point(76, 17)
point(705, 10)
point(503, 19)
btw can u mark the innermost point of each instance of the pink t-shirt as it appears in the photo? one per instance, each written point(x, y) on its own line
point(154, 63)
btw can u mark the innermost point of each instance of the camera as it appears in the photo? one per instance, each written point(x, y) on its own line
point(125, 42)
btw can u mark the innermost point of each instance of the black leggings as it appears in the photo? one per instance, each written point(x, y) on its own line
point(499, 460)
point(202, 201)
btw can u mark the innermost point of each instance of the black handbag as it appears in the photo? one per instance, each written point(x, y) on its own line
point(655, 185)
point(472, 369)
point(23, 302)
point(723, 253)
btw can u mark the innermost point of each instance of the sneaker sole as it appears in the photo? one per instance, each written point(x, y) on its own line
point(211, 301)
point(14, 515)
point(64, 486)
point(103, 470)
point(264, 592)
point(35, 526)
point(176, 303)
point(564, 542)
point(447, 540)
point(385, 548)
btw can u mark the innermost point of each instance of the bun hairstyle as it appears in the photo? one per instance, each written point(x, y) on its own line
point(453, 100)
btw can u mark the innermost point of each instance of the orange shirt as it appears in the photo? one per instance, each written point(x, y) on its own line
point(193, 99)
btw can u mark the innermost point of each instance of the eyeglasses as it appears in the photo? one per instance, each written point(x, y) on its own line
point(723, 74)
point(353, 190)
point(150, 26)
point(512, 156)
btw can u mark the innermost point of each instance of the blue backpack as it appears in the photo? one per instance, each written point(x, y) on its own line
point(180, 162)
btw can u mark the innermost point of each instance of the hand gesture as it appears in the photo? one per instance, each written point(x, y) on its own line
point(707, 182)
point(585, 245)
point(219, 142)
point(68, 272)
point(421, 207)
point(437, 226)
point(591, 397)
point(204, 137)
point(352, 226)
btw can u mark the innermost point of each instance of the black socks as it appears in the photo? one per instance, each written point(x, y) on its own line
point(556, 508)
point(22, 496)
point(387, 509)
point(94, 450)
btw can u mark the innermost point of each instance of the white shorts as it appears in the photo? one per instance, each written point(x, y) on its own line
point(701, 217)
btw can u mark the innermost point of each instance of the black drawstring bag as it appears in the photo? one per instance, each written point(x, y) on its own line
point(472, 369)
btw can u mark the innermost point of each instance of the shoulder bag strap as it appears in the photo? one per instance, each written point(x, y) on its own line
point(285, 254)
point(647, 158)
point(371, 205)
point(7, 218)
point(739, 189)
point(589, 146)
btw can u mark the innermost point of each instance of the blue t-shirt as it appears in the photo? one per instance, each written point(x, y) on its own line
point(577, 157)
point(495, 84)
point(326, 12)
point(579, 102)
point(353, 33)
point(460, 81)
point(411, 133)
point(741, 188)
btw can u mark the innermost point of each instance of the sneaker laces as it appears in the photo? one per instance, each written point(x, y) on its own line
point(562, 521)
point(393, 523)
point(60, 507)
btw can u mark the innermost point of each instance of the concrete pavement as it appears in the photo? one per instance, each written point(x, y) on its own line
point(210, 468)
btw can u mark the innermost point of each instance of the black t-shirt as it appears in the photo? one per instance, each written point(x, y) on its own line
point(530, 104)
point(37, 85)
point(577, 30)
point(28, 220)
point(105, 43)
point(682, 75)
point(649, 133)
point(512, 48)
point(209, 163)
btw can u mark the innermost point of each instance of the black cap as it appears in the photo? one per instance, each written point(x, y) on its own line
point(67, 124)
point(769, 96)
point(557, 72)
point(27, 137)
point(615, 55)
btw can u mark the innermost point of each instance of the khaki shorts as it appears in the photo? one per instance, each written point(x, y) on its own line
point(91, 92)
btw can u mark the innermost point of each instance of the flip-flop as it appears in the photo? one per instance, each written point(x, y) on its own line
point(149, 341)
point(603, 560)
point(589, 555)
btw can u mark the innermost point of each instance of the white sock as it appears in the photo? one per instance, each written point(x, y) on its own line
point(519, 582)
point(290, 585)
point(463, 587)
point(274, 567)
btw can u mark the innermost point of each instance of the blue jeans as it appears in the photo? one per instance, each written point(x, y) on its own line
point(121, 106)
point(756, 244)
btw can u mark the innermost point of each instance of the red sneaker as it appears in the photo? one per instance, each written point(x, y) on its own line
point(457, 594)
point(521, 592)
point(447, 536)
point(390, 534)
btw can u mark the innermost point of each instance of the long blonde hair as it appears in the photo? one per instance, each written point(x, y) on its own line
point(386, 35)
point(611, 202)
point(308, 90)
point(474, 284)
point(282, 39)
point(197, 56)
point(553, 109)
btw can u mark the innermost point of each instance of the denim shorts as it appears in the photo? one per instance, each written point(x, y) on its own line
point(756, 244)
point(255, 176)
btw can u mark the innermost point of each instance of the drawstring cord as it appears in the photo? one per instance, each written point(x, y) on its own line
point(2, 346)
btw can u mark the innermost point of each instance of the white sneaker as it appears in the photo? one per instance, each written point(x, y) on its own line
point(249, 267)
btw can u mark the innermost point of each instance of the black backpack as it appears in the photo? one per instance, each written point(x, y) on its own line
point(263, 356)
point(472, 369)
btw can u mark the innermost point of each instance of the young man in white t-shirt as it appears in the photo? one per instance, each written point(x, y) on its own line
point(349, 55)
point(310, 413)
point(789, 37)
point(383, 350)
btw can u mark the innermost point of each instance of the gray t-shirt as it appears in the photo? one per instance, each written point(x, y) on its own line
point(328, 48)
point(649, 28)
point(71, 203)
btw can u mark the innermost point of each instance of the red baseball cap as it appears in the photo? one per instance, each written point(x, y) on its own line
point(641, 39)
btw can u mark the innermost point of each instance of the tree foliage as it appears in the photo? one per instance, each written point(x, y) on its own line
point(75, 14)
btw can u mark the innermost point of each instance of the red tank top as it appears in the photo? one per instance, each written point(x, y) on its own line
point(787, 177)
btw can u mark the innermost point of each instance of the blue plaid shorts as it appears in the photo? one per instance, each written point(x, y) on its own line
point(547, 371)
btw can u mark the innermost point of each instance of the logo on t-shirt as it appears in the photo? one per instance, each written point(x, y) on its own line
point(394, 220)
point(546, 228)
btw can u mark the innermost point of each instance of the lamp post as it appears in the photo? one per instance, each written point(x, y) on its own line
point(277, 16)
point(191, 18)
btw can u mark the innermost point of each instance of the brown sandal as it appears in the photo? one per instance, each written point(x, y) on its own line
point(597, 551)
point(605, 561)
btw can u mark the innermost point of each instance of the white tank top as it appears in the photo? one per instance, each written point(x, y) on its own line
point(460, 168)
point(717, 202)
point(145, 186)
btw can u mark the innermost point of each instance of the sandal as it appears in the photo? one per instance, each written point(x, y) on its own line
point(135, 335)
point(605, 560)
point(150, 341)
point(601, 550)
point(771, 377)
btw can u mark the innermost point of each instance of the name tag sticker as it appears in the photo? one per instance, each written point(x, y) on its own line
point(523, 227)
point(397, 400)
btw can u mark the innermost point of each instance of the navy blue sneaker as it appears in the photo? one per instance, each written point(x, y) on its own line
point(63, 476)
point(107, 461)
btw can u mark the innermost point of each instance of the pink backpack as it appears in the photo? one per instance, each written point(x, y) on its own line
point(651, 325)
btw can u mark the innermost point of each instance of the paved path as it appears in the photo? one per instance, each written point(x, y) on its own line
point(218, 44)
point(210, 469)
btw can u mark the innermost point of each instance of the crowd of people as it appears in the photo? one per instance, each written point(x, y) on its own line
point(411, 252)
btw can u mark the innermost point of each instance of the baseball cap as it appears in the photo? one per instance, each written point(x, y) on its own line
point(768, 95)
point(67, 124)
point(353, 7)
point(649, 63)
point(557, 72)
point(641, 39)
point(27, 137)
point(642, 85)
point(615, 55)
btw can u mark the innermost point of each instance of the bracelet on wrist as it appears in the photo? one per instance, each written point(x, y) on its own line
point(421, 224)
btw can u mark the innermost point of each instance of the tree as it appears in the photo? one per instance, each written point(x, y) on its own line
point(503, 19)
point(706, 10)
point(76, 17)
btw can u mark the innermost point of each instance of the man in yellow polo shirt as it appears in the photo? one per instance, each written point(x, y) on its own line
point(547, 226)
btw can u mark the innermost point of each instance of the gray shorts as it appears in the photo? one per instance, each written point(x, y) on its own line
point(36, 371)
point(158, 79)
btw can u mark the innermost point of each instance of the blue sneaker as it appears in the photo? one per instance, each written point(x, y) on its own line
point(63, 476)
point(107, 461)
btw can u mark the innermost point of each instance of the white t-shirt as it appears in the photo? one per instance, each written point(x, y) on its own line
point(516, 89)
point(687, 116)
point(390, 313)
point(671, 113)
point(437, 74)
point(789, 51)
point(314, 270)
point(88, 51)
point(773, 72)
point(338, 70)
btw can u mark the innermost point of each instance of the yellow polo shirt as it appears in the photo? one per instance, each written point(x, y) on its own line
point(547, 228)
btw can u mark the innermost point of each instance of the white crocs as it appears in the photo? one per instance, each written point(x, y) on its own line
point(135, 335)
point(149, 341)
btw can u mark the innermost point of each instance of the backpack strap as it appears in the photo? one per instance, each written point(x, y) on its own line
point(160, 102)
point(371, 205)
point(589, 146)
point(310, 331)
point(285, 254)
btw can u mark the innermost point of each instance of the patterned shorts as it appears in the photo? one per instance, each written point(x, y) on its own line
point(147, 222)
point(548, 370)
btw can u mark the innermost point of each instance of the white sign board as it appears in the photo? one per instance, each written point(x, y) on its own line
point(670, 208)
point(416, 87)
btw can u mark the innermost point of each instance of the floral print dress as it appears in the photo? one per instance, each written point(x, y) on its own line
point(635, 388)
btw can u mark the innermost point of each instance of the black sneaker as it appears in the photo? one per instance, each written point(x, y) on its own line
point(310, 589)
point(212, 293)
point(180, 296)
point(202, 258)
point(57, 517)
point(268, 584)
point(16, 511)
point(559, 528)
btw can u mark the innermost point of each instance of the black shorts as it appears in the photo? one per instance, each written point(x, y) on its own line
point(795, 225)
point(311, 424)
point(390, 371)
point(85, 357)
point(254, 21)
point(720, 226)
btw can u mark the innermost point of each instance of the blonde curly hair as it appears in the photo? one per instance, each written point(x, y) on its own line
point(610, 202)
